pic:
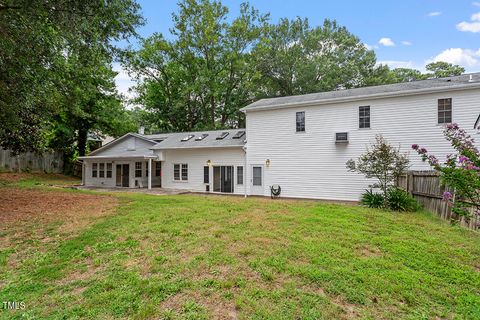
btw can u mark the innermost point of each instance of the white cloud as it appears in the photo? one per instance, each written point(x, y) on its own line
point(387, 42)
point(434, 13)
point(370, 47)
point(470, 59)
point(475, 16)
point(406, 43)
point(397, 64)
point(123, 81)
point(473, 26)
point(476, 4)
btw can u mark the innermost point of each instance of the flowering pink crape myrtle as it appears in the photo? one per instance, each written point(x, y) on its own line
point(459, 171)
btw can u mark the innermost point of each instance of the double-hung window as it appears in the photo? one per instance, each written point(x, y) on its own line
point(102, 170)
point(184, 172)
point(94, 170)
point(109, 170)
point(300, 121)
point(444, 111)
point(240, 175)
point(364, 117)
point(138, 169)
point(206, 174)
point(180, 172)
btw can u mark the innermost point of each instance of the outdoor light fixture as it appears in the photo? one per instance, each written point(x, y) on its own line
point(267, 162)
point(209, 163)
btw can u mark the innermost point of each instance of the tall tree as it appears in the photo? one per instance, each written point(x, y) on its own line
point(295, 58)
point(35, 38)
point(202, 77)
point(441, 69)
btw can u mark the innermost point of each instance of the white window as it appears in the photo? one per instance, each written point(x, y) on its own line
point(102, 170)
point(109, 170)
point(94, 170)
point(240, 175)
point(444, 111)
point(300, 121)
point(185, 172)
point(138, 169)
point(257, 176)
point(180, 172)
point(364, 117)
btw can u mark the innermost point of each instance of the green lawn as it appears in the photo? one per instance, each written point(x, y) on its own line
point(201, 257)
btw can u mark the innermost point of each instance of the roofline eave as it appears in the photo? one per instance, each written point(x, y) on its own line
point(361, 97)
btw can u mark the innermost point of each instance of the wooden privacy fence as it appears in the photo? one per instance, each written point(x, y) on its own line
point(50, 162)
point(426, 187)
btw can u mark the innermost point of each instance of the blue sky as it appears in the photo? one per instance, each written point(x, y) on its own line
point(407, 33)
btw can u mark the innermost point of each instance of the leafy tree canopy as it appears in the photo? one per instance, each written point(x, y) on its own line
point(202, 77)
point(36, 42)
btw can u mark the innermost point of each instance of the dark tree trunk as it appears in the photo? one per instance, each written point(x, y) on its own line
point(82, 141)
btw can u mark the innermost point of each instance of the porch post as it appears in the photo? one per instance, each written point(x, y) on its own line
point(149, 174)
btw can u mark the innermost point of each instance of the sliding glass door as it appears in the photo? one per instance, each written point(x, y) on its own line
point(223, 179)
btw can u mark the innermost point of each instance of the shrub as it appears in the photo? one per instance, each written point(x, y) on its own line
point(400, 200)
point(382, 162)
point(372, 199)
point(460, 171)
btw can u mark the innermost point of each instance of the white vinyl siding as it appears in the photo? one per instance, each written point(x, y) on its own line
point(312, 165)
point(197, 160)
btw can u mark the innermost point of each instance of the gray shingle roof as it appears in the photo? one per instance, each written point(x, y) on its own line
point(456, 82)
point(173, 140)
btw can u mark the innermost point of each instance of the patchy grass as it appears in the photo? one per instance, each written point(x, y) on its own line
point(201, 257)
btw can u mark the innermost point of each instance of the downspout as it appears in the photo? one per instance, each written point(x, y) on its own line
point(245, 173)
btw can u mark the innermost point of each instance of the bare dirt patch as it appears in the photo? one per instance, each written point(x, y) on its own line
point(17, 205)
point(214, 304)
point(13, 176)
point(369, 251)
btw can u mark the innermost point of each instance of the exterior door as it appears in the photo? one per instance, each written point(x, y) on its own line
point(125, 175)
point(256, 181)
point(118, 175)
point(223, 179)
point(227, 179)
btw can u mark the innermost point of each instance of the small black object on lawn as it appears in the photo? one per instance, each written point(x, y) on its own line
point(275, 191)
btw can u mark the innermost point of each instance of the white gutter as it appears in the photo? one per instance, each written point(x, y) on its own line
point(192, 147)
point(361, 97)
point(117, 157)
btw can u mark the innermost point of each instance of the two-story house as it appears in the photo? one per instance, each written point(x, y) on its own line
point(300, 142)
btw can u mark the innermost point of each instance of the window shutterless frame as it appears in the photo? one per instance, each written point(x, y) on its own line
point(240, 175)
point(94, 170)
point(364, 117)
point(138, 169)
point(206, 174)
point(101, 173)
point(445, 111)
point(180, 172)
point(300, 121)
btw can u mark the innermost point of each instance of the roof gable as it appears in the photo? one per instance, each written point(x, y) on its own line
point(123, 138)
